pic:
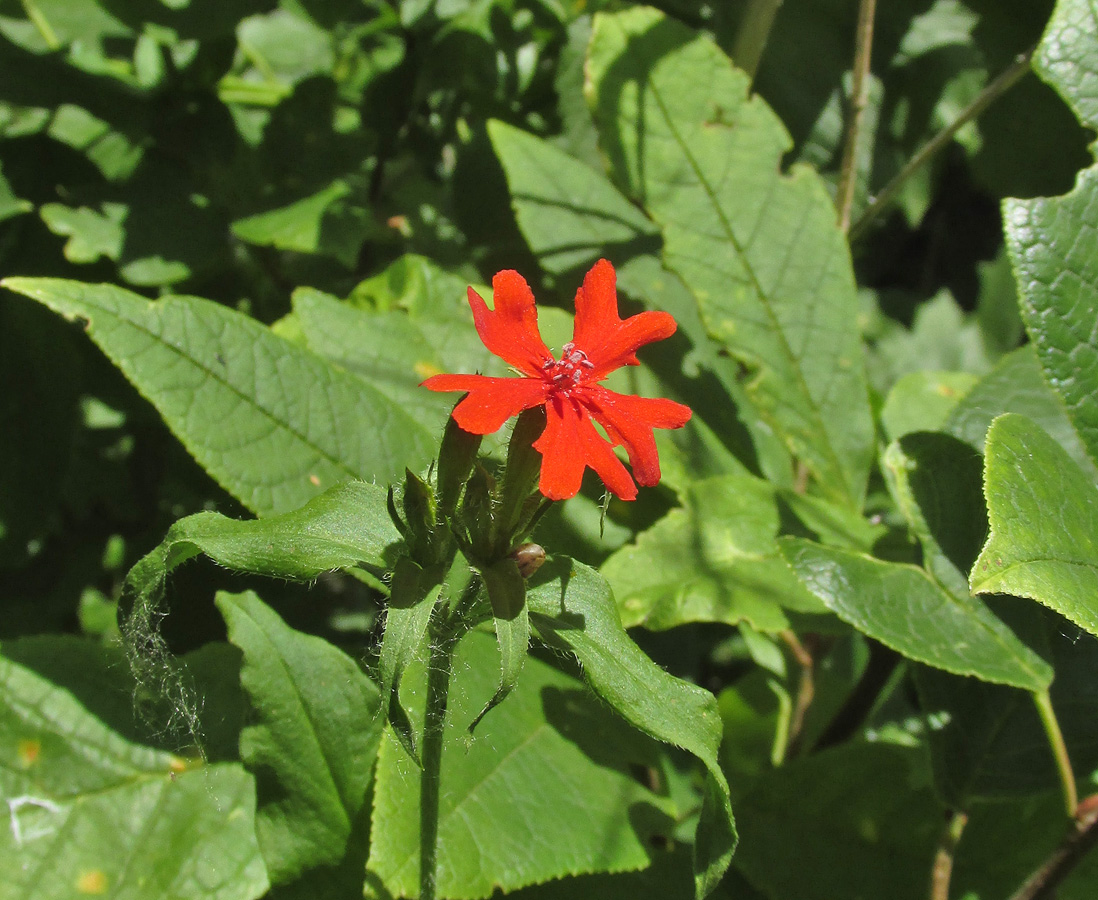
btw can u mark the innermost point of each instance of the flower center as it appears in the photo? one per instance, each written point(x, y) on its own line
point(570, 370)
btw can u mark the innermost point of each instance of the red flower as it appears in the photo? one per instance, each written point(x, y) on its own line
point(569, 387)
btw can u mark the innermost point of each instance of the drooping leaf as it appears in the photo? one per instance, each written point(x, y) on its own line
point(760, 250)
point(1043, 512)
point(573, 608)
point(91, 813)
point(311, 740)
point(712, 560)
point(903, 608)
point(274, 424)
point(346, 526)
point(542, 790)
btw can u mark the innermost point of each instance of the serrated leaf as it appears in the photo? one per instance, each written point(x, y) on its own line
point(91, 813)
point(900, 606)
point(1043, 512)
point(311, 741)
point(569, 213)
point(712, 560)
point(1052, 242)
point(761, 251)
point(273, 423)
point(1016, 385)
point(572, 608)
point(542, 790)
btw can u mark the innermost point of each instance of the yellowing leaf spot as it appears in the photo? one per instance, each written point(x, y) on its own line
point(314, 481)
point(28, 751)
point(426, 369)
point(92, 881)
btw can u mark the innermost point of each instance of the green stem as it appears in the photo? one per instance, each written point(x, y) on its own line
point(438, 690)
point(42, 24)
point(1059, 750)
point(1004, 82)
point(753, 33)
point(859, 99)
point(446, 628)
point(942, 873)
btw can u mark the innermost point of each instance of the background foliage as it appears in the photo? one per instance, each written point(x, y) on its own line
point(262, 216)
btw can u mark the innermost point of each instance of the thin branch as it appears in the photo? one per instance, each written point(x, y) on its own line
point(859, 99)
point(1080, 839)
point(1004, 82)
point(1059, 750)
point(942, 871)
point(753, 33)
point(806, 690)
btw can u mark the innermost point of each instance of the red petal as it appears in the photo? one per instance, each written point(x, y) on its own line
point(629, 421)
point(608, 341)
point(491, 401)
point(510, 330)
point(569, 445)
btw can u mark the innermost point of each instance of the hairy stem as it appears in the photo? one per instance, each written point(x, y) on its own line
point(443, 641)
point(1004, 82)
point(859, 98)
point(1080, 839)
point(1059, 750)
point(942, 871)
point(753, 33)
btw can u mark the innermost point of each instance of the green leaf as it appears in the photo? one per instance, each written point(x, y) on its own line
point(848, 822)
point(1043, 512)
point(936, 482)
point(90, 234)
point(312, 739)
point(987, 741)
point(347, 526)
point(1016, 385)
point(569, 213)
point(411, 601)
point(91, 813)
point(274, 424)
point(1051, 240)
point(712, 560)
point(900, 606)
point(573, 609)
point(507, 594)
point(761, 251)
point(542, 791)
point(922, 401)
point(328, 221)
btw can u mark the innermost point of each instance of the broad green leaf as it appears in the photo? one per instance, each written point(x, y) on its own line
point(922, 401)
point(900, 606)
point(329, 221)
point(273, 423)
point(848, 822)
point(712, 560)
point(1016, 385)
point(1051, 240)
point(1043, 512)
point(987, 742)
point(572, 608)
point(935, 480)
point(311, 740)
point(542, 790)
point(346, 526)
point(91, 813)
point(760, 250)
point(569, 213)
